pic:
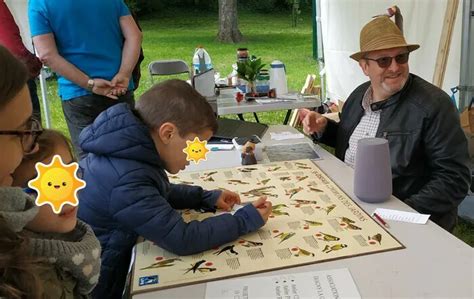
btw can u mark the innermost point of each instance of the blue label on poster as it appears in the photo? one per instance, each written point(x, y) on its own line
point(146, 280)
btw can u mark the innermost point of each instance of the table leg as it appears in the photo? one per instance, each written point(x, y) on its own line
point(256, 117)
point(241, 116)
point(287, 117)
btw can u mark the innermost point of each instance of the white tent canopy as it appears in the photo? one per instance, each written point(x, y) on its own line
point(342, 20)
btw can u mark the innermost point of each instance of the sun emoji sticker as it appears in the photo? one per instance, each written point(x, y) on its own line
point(196, 150)
point(57, 184)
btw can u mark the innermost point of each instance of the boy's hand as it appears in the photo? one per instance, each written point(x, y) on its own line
point(264, 207)
point(227, 200)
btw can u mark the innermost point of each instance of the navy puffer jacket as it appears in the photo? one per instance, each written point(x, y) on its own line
point(128, 194)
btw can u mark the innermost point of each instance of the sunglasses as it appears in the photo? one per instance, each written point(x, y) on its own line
point(28, 137)
point(385, 62)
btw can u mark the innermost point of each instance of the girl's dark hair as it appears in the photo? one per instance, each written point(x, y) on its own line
point(18, 269)
point(13, 76)
point(175, 101)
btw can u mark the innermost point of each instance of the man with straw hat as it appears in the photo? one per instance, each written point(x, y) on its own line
point(428, 149)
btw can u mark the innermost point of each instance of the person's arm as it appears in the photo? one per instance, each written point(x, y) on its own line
point(447, 156)
point(46, 47)
point(130, 52)
point(10, 38)
point(192, 197)
point(149, 214)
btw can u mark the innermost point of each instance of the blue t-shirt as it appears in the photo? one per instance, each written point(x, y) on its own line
point(87, 34)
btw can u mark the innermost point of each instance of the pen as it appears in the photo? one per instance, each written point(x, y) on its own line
point(381, 220)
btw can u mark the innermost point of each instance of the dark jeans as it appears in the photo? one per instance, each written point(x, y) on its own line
point(34, 99)
point(82, 111)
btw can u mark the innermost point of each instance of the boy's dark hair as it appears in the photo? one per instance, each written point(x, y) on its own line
point(175, 101)
point(47, 141)
point(13, 76)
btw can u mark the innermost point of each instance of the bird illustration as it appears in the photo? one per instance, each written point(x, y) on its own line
point(285, 178)
point(301, 178)
point(304, 252)
point(335, 247)
point(347, 220)
point(278, 206)
point(195, 266)
point(209, 179)
point(264, 182)
point(328, 209)
point(210, 173)
point(329, 238)
point(352, 226)
point(227, 249)
point(305, 202)
point(162, 264)
point(284, 236)
point(274, 169)
point(315, 189)
point(376, 237)
point(246, 170)
point(237, 182)
point(206, 269)
point(186, 182)
point(249, 243)
point(293, 191)
point(313, 223)
point(279, 213)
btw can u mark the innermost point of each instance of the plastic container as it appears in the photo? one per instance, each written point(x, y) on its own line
point(278, 78)
point(262, 83)
point(201, 60)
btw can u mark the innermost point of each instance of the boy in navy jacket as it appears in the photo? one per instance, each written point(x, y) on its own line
point(128, 193)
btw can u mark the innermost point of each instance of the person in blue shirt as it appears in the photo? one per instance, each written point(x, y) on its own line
point(128, 193)
point(93, 46)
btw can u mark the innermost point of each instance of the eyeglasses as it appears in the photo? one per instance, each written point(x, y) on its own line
point(28, 137)
point(385, 62)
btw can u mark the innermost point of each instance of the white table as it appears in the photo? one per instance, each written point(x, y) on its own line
point(226, 104)
point(435, 264)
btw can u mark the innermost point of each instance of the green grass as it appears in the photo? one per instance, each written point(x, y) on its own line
point(175, 34)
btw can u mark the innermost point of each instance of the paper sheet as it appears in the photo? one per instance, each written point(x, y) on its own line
point(286, 135)
point(336, 283)
point(402, 216)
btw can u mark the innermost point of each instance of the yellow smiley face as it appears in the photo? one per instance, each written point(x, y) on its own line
point(196, 150)
point(56, 184)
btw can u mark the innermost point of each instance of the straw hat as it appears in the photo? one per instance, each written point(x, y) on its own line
point(380, 34)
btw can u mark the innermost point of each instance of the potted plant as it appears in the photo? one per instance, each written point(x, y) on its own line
point(248, 70)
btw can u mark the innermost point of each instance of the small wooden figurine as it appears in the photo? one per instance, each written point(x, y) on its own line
point(248, 155)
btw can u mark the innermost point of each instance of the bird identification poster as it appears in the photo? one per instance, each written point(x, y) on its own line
point(328, 284)
point(312, 221)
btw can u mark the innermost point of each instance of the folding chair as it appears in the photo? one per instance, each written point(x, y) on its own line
point(167, 67)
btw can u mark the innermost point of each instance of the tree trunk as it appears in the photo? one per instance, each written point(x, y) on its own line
point(228, 26)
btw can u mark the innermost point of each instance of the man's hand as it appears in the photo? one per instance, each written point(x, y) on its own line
point(263, 207)
point(104, 88)
point(313, 122)
point(227, 200)
point(120, 82)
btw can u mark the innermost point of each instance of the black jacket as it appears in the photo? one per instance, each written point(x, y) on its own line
point(428, 149)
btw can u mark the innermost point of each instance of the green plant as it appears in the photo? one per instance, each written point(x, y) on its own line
point(249, 69)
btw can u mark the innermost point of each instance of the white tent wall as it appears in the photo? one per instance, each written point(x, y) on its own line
point(19, 10)
point(342, 20)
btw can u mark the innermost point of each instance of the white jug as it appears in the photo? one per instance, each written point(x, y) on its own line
point(201, 60)
point(278, 77)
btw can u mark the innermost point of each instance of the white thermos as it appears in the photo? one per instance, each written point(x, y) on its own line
point(278, 77)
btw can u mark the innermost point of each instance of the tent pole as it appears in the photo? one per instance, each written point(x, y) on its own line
point(320, 48)
point(44, 97)
point(466, 82)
